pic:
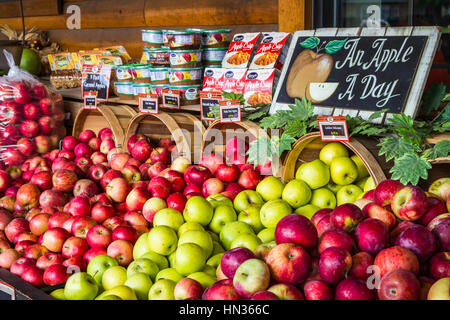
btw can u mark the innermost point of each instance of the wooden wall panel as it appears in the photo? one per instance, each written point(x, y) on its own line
point(10, 9)
point(294, 15)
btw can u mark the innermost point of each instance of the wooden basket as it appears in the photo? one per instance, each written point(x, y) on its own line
point(116, 117)
point(308, 147)
point(184, 128)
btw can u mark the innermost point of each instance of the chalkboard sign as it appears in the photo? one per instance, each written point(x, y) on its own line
point(90, 101)
point(148, 104)
point(208, 100)
point(361, 73)
point(230, 111)
point(333, 128)
point(96, 78)
point(171, 99)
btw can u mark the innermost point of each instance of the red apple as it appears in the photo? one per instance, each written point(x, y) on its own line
point(176, 179)
point(28, 196)
point(419, 240)
point(289, 263)
point(102, 211)
point(43, 180)
point(98, 157)
point(385, 190)
point(435, 207)
point(286, 291)
point(134, 219)
point(192, 188)
point(34, 276)
point(99, 237)
point(10, 113)
point(375, 211)
point(221, 291)
point(75, 264)
point(296, 229)
point(48, 259)
point(211, 161)
point(317, 290)
point(96, 172)
point(43, 144)
point(228, 172)
point(64, 180)
point(55, 274)
point(131, 173)
point(440, 265)
point(354, 289)
point(399, 284)
point(69, 143)
point(142, 150)
point(8, 257)
point(79, 206)
point(39, 223)
point(346, 217)
point(5, 218)
point(336, 238)
point(125, 233)
point(440, 227)
point(360, 264)
point(87, 135)
point(19, 266)
point(35, 251)
point(188, 289)
point(81, 226)
point(95, 143)
point(28, 128)
point(233, 258)
point(86, 188)
point(22, 246)
point(334, 264)
point(197, 175)
point(212, 186)
point(114, 222)
point(53, 239)
point(396, 258)
point(52, 199)
point(157, 155)
point(46, 125)
point(372, 236)
point(74, 246)
point(118, 190)
point(177, 201)
point(107, 145)
point(93, 252)
point(409, 203)
point(122, 251)
point(57, 219)
point(15, 227)
point(105, 133)
point(235, 147)
point(109, 176)
point(249, 179)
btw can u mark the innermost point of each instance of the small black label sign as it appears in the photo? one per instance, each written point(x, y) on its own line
point(171, 98)
point(230, 111)
point(148, 104)
point(96, 78)
point(90, 101)
point(333, 128)
point(208, 100)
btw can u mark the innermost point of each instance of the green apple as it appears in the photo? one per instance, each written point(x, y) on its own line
point(189, 226)
point(141, 246)
point(214, 236)
point(217, 248)
point(222, 215)
point(143, 265)
point(168, 217)
point(108, 297)
point(141, 284)
point(332, 150)
point(348, 194)
point(369, 185)
point(219, 200)
point(273, 211)
point(162, 240)
point(161, 261)
point(323, 198)
point(231, 230)
point(98, 265)
point(333, 187)
point(113, 277)
point(270, 188)
point(266, 235)
point(249, 241)
point(315, 173)
point(246, 198)
point(201, 238)
point(162, 290)
point(251, 216)
point(297, 193)
point(209, 270)
point(190, 258)
point(252, 276)
point(308, 210)
point(343, 171)
point(214, 261)
point(80, 286)
point(203, 278)
point(361, 182)
point(361, 167)
point(199, 210)
point(170, 274)
point(58, 294)
point(123, 292)
point(171, 259)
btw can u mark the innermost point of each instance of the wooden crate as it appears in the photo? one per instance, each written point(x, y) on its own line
point(308, 147)
point(183, 128)
point(105, 116)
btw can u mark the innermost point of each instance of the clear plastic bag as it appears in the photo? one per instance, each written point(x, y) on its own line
point(31, 117)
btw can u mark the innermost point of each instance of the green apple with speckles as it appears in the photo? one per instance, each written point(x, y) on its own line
point(222, 215)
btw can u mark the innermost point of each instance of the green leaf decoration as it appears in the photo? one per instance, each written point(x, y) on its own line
point(409, 168)
point(255, 115)
point(215, 112)
point(335, 45)
point(233, 96)
point(259, 151)
point(279, 145)
point(446, 98)
point(440, 150)
point(310, 43)
point(296, 128)
point(394, 148)
point(378, 114)
point(432, 98)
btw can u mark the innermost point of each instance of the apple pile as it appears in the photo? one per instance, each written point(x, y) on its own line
point(32, 122)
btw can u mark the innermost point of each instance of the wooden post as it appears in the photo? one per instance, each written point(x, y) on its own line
point(294, 15)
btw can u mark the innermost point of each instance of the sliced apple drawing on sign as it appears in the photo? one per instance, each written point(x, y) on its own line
point(320, 91)
point(313, 68)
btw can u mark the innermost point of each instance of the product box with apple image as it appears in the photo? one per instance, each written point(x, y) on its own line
point(233, 80)
point(241, 50)
point(260, 85)
point(272, 51)
point(212, 79)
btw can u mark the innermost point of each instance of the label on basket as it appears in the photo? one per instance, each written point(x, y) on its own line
point(208, 100)
point(171, 99)
point(333, 128)
point(230, 111)
point(148, 103)
point(90, 101)
point(96, 78)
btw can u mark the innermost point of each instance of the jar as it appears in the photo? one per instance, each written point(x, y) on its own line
point(157, 89)
point(152, 38)
point(216, 38)
point(185, 58)
point(159, 75)
point(157, 56)
point(141, 73)
point(124, 73)
point(189, 94)
point(141, 88)
point(214, 56)
point(181, 39)
point(124, 90)
point(185, 76)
